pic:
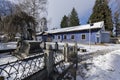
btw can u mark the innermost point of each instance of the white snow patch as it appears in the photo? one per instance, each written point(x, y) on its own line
point(5, 58)
point(94, 48)
point(105, 67)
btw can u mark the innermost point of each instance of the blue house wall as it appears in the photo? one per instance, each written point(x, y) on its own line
point(77, 36)
point(105, 37)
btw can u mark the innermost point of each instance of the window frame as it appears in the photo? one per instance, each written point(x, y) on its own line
point(65, 37)
point(53, 37)
point(72, 37)
point(84, 36)
point(58, 37)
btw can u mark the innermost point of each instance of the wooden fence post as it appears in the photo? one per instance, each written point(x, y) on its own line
point(49, 59)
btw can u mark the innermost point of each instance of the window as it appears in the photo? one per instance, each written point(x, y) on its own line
point(72, 37)
point(53, 37)
point(58, 37)
point(83, 36)
point(65, 37)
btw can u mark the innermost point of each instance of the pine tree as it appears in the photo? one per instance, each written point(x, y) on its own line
point(102, 12)
point(117, 23)
point(74, 20)
point(64, 22)
point(117, 19)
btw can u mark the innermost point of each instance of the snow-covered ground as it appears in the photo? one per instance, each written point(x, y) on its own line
point(105, 67)
point(94, 48)
point(6, 57)
point(102, 67)
point(10, 45)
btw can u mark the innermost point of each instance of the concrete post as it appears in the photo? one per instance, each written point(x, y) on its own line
point(66, 52)
point(44, 45)
point(75, 48)
point(56, 46)
point(49, 59)
point(76, 52)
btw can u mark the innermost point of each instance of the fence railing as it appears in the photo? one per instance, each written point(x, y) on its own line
point(56, 60)
point(23, 68)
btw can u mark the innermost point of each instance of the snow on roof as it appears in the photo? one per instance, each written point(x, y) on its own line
point(78, 28)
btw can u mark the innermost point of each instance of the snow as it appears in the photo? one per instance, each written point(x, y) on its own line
point(94, 48)
point(10, 45)
point(21, 67)
point(105, 67)
point(78, 28)
point(102, 67)
point(79, 77)
point(5, 58)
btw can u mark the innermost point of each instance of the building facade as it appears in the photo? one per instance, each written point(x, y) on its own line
point(85, 34)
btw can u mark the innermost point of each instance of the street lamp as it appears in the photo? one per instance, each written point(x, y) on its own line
point(90, 34)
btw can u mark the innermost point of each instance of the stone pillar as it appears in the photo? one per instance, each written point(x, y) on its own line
point(76, 52)
point(66, 52)
point(56, 46)
point(49, 59)
point(63, 52)
point(75, 48)
point(44, 45)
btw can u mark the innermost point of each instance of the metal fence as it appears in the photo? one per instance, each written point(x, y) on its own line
point(23, 68)
point(53, 60)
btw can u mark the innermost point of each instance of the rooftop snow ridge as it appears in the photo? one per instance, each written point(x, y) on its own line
point(78, 28)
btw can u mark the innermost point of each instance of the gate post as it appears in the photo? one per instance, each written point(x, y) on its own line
point(49, 59)
point(76, 53)
point(75, 60)
point(66, 54)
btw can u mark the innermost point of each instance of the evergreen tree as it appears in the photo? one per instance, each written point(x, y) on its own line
point(117, 19)
point(102, 12)
point(74, 20)
point(64, 22)
point(117, 23)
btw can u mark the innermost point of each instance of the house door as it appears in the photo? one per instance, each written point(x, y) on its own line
point(98, 39)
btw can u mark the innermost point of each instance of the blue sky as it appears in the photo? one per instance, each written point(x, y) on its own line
point(58, 8)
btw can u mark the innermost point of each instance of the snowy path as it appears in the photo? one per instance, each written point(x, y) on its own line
point(100, 64)
point(104, 67)
point(94, 54)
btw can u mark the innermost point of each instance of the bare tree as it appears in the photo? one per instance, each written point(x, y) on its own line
point(19, 22)
point(35, 8)
point(6, 7)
